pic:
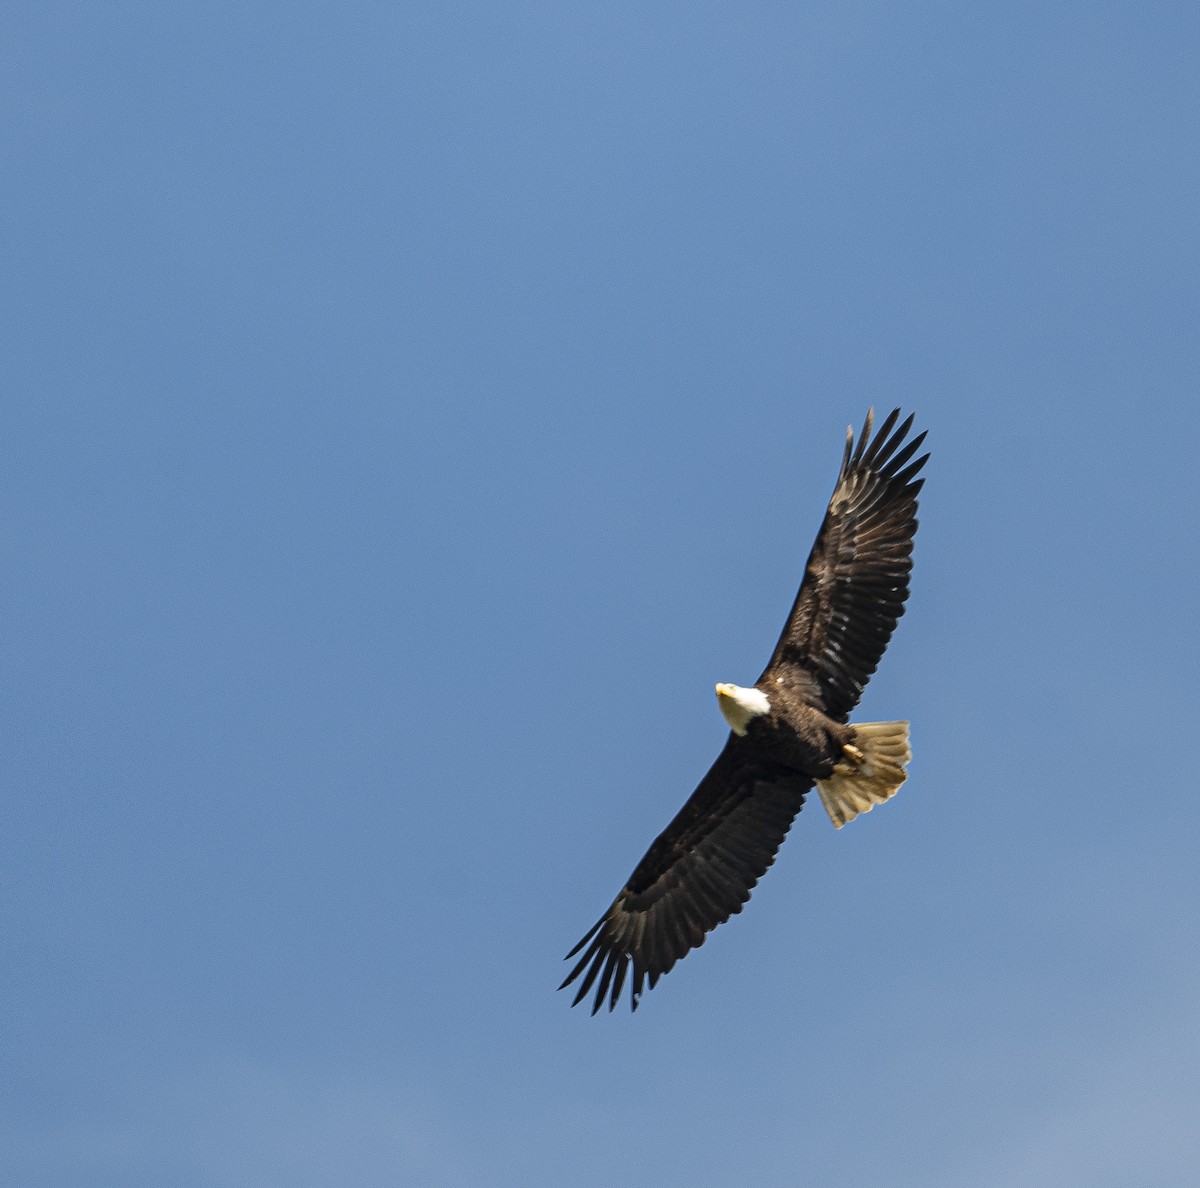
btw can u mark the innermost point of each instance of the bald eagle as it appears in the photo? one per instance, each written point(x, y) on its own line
point(789, 731)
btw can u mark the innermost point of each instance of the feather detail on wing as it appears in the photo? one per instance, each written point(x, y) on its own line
point(856, 579)
point(698, 873)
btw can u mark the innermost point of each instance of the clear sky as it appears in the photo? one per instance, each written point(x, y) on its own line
point(409, 411)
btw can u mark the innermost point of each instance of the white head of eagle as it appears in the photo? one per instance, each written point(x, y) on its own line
point(739, 705)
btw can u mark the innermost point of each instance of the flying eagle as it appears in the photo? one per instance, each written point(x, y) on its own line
point(789, 731)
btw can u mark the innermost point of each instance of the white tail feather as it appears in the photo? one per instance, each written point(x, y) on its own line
point(868, 773)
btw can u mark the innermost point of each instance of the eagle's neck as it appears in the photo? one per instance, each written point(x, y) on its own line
point(739, 706)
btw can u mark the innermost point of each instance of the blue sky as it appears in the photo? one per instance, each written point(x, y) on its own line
point(410, 411)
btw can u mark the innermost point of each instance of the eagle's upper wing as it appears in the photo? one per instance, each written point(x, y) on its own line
point(699, 872)
point(856, 579)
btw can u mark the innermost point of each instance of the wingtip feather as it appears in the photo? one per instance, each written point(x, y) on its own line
point(864, 437)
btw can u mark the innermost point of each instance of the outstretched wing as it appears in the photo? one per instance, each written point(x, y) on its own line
point(856, 579)
point(699, 872)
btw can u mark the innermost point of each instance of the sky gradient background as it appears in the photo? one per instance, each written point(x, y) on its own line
point(409, 412)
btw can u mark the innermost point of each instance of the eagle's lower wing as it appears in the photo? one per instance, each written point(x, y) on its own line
point(698, 873)
point(856, 579)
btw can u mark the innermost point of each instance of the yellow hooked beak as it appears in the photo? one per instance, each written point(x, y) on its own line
point(724, 690)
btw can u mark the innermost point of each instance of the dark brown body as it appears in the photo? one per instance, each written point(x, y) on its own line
point(796, 736)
